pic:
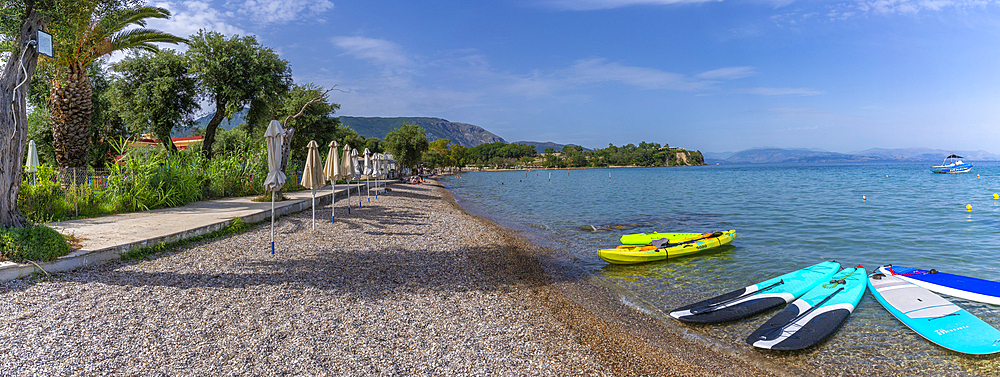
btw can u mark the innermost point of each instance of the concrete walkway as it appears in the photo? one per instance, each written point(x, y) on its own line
point(108, 237)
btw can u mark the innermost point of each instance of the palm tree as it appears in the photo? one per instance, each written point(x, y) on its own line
point(89, 34)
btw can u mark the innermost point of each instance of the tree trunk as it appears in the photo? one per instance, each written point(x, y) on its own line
point(220, 114)
point(71, 107)
point(13, 120)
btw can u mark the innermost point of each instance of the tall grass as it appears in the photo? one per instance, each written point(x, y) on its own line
point(149, 178)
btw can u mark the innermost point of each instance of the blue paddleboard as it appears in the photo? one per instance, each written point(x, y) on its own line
point(815, 316)
point(757, 298)
point(933, 317)
point(952, 285)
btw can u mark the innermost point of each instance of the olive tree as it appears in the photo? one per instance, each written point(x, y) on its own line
point(154, 93)
point(235, 73)
point(407, 143)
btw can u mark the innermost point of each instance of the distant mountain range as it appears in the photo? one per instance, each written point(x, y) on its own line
point(238, 119)
point(459, 133)
point(465, 134)
point(784, 155)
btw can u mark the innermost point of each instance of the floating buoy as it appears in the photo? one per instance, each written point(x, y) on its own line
point(968, 207)
point(996, 196)
point(863, 198)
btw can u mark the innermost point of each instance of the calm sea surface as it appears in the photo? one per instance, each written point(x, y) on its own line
point(787, 217)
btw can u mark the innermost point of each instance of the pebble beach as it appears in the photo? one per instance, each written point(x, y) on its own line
point(408, 284)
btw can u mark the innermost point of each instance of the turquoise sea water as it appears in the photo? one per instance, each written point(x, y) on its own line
point(787, 217)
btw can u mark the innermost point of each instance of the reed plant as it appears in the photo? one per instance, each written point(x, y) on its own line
point(144, 178)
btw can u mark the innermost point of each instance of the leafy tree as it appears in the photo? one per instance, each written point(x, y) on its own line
point(106, 125)
point(234, 73)
point(407, 143)
point(89, 30)
point(457, 155)
point(154, 93)
point(374, 145)
point(549, 150)
point(20, 22)
point(316, 121)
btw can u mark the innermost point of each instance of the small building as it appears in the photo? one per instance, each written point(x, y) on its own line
point(179, 142)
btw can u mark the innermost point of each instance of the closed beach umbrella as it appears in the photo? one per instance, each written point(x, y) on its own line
point(312, 175)
point(375, 172)
point(368, 174)
point(345, 171)
point(354, 168)
point(275, 136)
point(32, 162)
point(382, 169)
point(332, 172)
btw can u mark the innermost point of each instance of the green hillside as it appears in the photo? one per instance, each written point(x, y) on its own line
point(464, 134)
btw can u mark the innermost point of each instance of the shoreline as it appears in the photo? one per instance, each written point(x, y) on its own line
point(630, 340)
point(409, 283)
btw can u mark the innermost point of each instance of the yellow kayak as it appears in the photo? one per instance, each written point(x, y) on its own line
point(629, 254)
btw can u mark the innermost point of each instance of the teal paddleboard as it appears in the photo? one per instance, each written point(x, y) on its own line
point(815, 316)
point(933, 317)
point(758, 298)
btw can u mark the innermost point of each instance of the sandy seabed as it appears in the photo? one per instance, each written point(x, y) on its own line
point(408, 284)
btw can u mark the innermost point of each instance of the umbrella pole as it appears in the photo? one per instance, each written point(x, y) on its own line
point(348, 196)
point(368, 187)
point(333, 201)
point(272, 222)
point(314, 209)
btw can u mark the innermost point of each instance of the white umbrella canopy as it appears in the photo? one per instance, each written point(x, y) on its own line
point(368, 162)
point(345, 163)
point(32, 162)
point(275, 136)
point(312, 175)
point(354, 163)
point(332, 172)
point(368, 174)
point(332, 168)
point(345, 171)
point(354, 168)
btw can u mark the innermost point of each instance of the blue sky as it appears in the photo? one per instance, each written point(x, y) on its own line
point(710, 75)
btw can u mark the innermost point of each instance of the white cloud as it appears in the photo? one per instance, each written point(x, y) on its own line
point(728, 73)
point(595, 71)
point(784, 91)
point(282, 11)
point(847, 10)
point(377, 50)
point(598, 70)
point(611, 4)
point(187, 17)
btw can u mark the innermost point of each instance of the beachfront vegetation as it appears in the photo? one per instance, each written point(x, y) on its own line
point(35, 243)
point(235, 73)
point(501, 155)
point(440, 154)
point(154, 93)
point(497, 154)
point(87, 31)
point(407, 143)
point(148, 178)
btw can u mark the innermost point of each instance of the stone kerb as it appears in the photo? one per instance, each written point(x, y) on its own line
point(86, 258)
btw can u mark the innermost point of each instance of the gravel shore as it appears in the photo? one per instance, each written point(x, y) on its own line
point(406, 285)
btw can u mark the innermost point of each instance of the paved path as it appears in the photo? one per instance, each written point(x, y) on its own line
point(107, 237)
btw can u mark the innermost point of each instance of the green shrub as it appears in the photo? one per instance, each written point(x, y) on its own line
point(37, 243)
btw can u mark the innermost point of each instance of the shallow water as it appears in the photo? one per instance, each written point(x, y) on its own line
point(787, 217)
